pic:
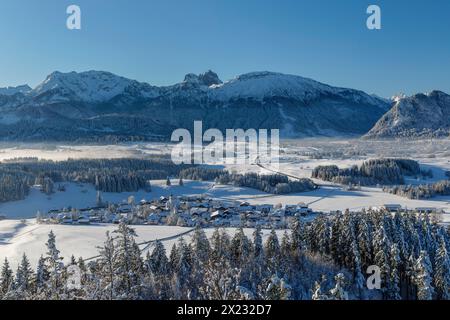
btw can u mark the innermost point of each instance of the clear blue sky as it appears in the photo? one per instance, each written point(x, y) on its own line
point(159, 41)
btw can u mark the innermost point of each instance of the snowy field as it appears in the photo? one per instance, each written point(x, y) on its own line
point(63, 152)
point(298, 157)
point(19, 237)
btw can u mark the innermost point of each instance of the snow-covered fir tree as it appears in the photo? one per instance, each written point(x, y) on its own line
point(423, 277)
point(24, 277)
point(6, 278)
point(128, 263)
point(442, 271)
point(55, 266)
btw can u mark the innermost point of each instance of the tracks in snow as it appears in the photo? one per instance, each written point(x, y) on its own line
point(297, 178)
point(147, 244)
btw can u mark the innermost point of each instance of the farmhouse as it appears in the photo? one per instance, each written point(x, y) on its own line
point(392, 207)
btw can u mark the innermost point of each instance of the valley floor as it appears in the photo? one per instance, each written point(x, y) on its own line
point(18, 237)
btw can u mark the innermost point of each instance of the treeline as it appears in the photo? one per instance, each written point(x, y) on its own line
point(201, 174)
point(126, 182)
point(335, 154)
point(324, 259)
point(423, 191)
point(107, 175)
point(274, 183)
point(14, 185)
point(372, 172)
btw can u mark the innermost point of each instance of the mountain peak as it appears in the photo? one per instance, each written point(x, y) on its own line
point(263, 84)
point(258, 74)
point(91, 86)
point(437, 94)
point(399, 96)
point(209, 78)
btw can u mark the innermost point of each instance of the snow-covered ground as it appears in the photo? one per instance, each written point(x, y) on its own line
point(84, 195)
point(327, 198)
point(294, 157)
point(19, 237)
point(59, 152)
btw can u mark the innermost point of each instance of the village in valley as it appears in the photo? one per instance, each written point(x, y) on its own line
point(200, 211)
point(181, 211)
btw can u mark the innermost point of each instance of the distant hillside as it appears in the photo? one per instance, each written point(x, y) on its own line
point(419, 116)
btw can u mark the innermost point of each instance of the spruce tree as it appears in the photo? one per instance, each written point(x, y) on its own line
point(6, 278)
point(364, 242)
point(382, 249)
point(173, 258)
point(183, 271)
point(335, 240)
point(240, 248)
point(128, 263)
point(423, 277)
point(158, 265)
point(200, 245)
point(257, 261)
point(24, 276)
point(157, 261)
point(358, 277)
point(107, 266)
point(442, 272)
point(42, 274)
point(272, 252)
point(298, 235)
point(393, 286)
point(55, 266)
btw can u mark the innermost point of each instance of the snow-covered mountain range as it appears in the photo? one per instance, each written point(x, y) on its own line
point(418, 116)
point(10, 91)
point(94, 105)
